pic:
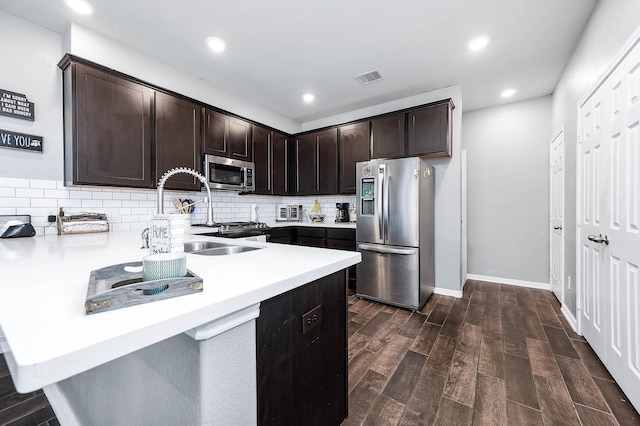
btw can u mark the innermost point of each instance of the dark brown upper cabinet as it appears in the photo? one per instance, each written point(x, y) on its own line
point(354, 147)
point(107, 128)
point(387, 136)
point(227, 136)
point(429, 131)
point(178, 139)
point(316, 163)
point(270, 158)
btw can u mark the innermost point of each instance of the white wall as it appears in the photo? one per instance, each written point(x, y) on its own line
point(508, 190)
point(612, 23)
point(448, 206)
point(30, 55)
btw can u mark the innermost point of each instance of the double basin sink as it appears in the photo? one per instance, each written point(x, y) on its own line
point(210, 248)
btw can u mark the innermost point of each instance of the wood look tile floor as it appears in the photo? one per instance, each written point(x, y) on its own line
point(501, 355)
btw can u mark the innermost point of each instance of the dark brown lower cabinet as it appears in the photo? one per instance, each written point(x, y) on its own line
point(302, 372)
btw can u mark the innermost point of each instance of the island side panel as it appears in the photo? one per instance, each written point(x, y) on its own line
point(302, 376)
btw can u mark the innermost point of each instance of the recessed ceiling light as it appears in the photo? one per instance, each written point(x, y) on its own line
point(478, 43)
point(508, 93)
point(308, 97)
point(83, 7)
point(216, 44)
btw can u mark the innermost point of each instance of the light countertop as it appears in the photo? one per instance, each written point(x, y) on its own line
point(47, 337)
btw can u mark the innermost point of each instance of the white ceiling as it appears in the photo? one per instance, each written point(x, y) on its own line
point(279, 49)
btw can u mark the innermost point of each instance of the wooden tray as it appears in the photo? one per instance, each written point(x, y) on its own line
point(113, 288)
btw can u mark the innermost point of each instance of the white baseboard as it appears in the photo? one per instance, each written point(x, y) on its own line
point(519, 283)
point(570, 318)
point(61, 407)
point(448, 292)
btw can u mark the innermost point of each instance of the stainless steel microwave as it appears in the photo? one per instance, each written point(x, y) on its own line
point(286, 212)
point(229, 174)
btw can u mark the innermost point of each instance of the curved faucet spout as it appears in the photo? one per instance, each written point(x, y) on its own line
point(188, 171)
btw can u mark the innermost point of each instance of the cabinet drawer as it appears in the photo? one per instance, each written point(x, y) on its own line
point(311, 232)
point(277, 233)
point(341, 234)
point(341, 244)
point(311, 241)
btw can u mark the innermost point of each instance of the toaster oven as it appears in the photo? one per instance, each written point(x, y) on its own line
point(288, 212)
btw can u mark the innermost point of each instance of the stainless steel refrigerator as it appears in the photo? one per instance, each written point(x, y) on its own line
point(395, 231)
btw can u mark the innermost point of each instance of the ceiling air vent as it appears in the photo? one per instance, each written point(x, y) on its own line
point(368, 77)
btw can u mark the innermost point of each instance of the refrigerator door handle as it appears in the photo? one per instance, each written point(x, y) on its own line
point(386, 249)
point(380, 196)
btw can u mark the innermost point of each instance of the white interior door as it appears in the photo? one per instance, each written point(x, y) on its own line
point(556, 215)
point(609, 220)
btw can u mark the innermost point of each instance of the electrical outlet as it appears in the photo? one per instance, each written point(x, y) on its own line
point(568, 282)
point(311, 319)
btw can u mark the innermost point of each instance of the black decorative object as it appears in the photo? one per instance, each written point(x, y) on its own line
point(16, 105)
point(10, 139)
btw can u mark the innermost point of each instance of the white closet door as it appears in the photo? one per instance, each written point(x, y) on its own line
point(609, 221)
point(556, 214)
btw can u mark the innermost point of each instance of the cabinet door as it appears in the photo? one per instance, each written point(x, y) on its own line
point(354, 147)
point(430, 130)
point(239, 139)
point(178, 139)
point(305, 160)
point(387, 136)
point(327, 167)
point(215, 133)
point(107, 130)
point(302, 375)
point(262, 156)
point(279, 164)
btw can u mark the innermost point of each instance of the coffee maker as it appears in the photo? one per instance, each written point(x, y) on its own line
point(342, 212)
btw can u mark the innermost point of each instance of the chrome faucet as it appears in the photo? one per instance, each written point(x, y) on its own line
point(188, 171)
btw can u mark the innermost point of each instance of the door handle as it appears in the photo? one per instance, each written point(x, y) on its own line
point(599, 239)
point(557, 227)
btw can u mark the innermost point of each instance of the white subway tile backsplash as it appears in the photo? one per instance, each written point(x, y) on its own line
point(139, 196)
point(121, 196)
point(43, 184)
point(80, 195)
point(91, 204)
point(7, 192)
point(56, 193)
point(131, 209)
point(112, 203)
point(15, 202)
point(14, 182)
point(102, 195)
point(44, 202)
point(29, 193)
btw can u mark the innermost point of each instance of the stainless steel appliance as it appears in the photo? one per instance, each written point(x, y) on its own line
point(230, 174)
point(395, 231)
point(239, 230)
point(342, 212)
point(288, 212)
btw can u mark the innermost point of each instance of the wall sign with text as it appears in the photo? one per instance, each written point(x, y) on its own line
point(16, 105)
point(20, 141)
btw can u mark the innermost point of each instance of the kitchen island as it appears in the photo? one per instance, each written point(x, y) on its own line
point(189, 359)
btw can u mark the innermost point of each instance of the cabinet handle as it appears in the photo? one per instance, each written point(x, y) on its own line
point(317, 165)
point(286, 165)
point(270, 161)
point(297, 166)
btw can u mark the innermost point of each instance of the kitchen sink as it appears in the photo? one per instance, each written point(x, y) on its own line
point(210, 248)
